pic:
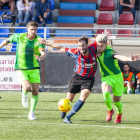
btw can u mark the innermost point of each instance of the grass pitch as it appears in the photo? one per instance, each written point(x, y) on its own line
point(88, 124)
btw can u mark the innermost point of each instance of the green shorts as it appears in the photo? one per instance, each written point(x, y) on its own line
point(116, 82)
point(33, 76)
point(125, 90)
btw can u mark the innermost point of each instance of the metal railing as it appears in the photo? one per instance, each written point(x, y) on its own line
point(52, 33)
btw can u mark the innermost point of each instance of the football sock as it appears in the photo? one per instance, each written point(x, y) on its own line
point(77, 106)
point(118, 106)
point(24, 92)
point(138, 87)
point(34, 101)
point(107, 99)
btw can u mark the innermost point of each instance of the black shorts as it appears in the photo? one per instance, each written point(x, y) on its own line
point(78, 83)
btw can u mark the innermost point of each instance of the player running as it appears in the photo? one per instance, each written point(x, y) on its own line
point(112, 78)
point(84, 70)
point(29, 51)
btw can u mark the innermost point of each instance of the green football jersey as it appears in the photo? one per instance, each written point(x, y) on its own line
point(26, 49)
point(108, 65)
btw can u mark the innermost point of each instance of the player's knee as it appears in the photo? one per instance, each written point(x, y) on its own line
point(27, 88)
point(35, 91)
point(138, 87)
point(106, 95)
point(84, 95)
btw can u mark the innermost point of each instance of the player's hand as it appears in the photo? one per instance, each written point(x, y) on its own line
point(38, 57)
point(42, 41)
point(98, 54)
point(135, 57)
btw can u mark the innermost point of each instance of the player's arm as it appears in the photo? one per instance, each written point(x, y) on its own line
point(125, 58)
point(11, 39)
point(42, 54)
point(5, 42)
point(53, 45)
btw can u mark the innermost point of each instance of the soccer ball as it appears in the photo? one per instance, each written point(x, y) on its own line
point(64, 105)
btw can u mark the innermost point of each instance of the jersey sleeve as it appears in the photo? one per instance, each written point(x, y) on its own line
point(14, 38)
point(133, 78)
point(41, 46)
point(110, 53)
point(71, 51)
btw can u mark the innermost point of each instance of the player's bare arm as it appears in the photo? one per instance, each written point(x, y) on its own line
point(3, 43)
point(42, 57)
point(125, 58)
point(53, 45)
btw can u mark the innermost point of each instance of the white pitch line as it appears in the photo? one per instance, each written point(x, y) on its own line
point(120, 127)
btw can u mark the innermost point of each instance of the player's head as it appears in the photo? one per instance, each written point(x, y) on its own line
point(83, 44)
point(101, 42)
point(126, 67)
point(32, 27)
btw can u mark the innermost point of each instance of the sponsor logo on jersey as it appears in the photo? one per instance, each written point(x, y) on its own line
point(113, 52)
point(87, 65)
point(93, 58)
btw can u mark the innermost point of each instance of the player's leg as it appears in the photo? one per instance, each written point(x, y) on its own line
point(70, 96)
point(118, 105)
point(74, 87)
point(25, 89)
point(129, 88)
point(118, 88)
point(34, 100)
point(34, 78)
point(125, 90)
point(138, 87)
point(107, 99)
point(85, 85)
point(78, 105)
point(23, 79)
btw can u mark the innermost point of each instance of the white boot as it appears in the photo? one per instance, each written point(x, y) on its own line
point(31, 115)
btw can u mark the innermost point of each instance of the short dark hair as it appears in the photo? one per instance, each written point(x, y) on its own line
point(83, 38)
point(32, 23)
point(126, 64)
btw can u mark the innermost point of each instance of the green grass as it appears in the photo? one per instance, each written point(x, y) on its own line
point(88, 124)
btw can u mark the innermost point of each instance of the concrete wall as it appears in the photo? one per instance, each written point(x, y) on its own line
point(59, 70)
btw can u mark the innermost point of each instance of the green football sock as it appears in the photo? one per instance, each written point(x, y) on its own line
point(34, 101)
point(24, 92)
point(107, 99)
point(118, 106)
